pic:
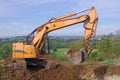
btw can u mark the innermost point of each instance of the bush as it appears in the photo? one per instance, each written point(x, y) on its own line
point(77, 45)
point(5, 50)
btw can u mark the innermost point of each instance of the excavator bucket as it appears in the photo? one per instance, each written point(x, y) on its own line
point(77, 56)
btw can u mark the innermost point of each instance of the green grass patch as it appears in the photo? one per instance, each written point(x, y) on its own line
point(99, 57)
point(60, 54)
point(109, 61)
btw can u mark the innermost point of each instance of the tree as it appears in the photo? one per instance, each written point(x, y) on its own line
point(117, 35)
point(77, 44)
point(105, 48)
point(5, 50)
point(116, 45)
point(54, 49)
point(104, 45)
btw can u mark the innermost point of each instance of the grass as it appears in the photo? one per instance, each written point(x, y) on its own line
point(60, 54)
point(103, 58)
point(109, 61)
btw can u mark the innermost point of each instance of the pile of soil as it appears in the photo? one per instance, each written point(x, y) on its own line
point(63, 71)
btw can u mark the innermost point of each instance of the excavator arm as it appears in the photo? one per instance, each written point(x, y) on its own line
point(33, 48)
point(90, 23)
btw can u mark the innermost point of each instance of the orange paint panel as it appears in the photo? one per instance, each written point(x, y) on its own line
point(21, 50)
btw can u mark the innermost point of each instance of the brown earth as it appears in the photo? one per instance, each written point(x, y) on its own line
point(63, 71)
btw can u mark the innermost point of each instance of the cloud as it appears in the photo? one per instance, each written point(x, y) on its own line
point(9, 8)
point(107, 28)
point(14, 29)
point(105, 8)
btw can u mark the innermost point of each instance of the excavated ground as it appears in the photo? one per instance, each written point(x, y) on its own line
point(63, 71)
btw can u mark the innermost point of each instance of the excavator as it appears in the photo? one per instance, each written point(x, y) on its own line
point(33, 51)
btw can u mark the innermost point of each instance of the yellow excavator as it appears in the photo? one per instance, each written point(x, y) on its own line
point(33, 51)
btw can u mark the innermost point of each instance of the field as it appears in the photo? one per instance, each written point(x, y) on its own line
point(60, 54)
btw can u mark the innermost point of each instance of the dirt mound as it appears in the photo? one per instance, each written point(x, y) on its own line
point(63, 71)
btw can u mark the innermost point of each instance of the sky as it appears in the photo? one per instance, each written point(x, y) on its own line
point(20, 17)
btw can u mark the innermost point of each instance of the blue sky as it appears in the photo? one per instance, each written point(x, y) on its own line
point(20, 17)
